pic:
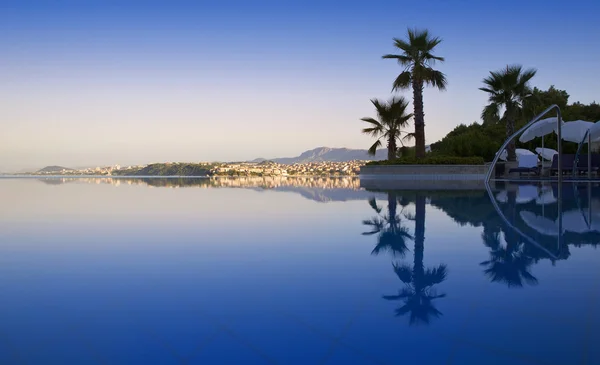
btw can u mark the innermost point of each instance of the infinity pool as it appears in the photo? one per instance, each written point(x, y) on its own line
point(296, 271)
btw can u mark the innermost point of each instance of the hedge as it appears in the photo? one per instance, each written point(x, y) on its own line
point(432, 160)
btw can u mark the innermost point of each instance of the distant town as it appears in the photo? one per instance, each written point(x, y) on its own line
point(264, 168)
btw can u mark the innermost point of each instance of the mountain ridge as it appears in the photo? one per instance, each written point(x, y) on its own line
point(329, 154)
point(53, 168)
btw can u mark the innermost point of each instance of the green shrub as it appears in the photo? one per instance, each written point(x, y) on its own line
point(432, 160)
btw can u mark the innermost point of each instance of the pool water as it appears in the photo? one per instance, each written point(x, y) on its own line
point(296, 271)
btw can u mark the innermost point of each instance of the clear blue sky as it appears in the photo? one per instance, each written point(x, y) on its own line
point(102, 82)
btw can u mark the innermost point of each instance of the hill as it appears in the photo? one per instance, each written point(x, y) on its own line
point(53, 169)
point(167, 169)
point(328, 154)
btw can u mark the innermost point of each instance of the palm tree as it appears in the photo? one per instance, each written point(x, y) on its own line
point(508, 89)
point(392, 235)
point(417, 58)
point(392, 118)
point(418, 295)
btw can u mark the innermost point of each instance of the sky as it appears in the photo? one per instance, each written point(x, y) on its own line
point(86, 83)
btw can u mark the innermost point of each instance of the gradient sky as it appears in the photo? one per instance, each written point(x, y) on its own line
point(87, 82)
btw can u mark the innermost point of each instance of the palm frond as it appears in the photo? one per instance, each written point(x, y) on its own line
point(527, 75)
point(372, 121)
point(403, 60)
point(432, 58)
point(403, 81)
point(373, 204)
point(434, 78)
point(404, 272)
point(401, 44)
point(392, 241)
point(376, 225)
point(391, 297)
point(373, 132)
point(529, 279)
point(487, 90)
point(373, 149)
point(409, 136)
point(436, 275)
point(491, 113)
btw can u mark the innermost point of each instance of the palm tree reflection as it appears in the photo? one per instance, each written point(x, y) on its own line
point(392, 235)
point(419, 293)
point(510, 263)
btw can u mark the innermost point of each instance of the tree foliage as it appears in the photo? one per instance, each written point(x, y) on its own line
point(417, 59)
point(486, 138)
point(392, 118)
point(168, 169)
point(508, 89)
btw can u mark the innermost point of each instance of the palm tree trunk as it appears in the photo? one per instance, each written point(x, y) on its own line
point(510, 129)
point(419, 234)
point(392, 147)
point(392, 205)
point(510, 235)
point(419, 119)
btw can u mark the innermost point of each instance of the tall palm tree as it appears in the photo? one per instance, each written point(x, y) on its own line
point(418, 60)
point(392, 234)
point(392, 118)
point(507, 89)
point(419, 293)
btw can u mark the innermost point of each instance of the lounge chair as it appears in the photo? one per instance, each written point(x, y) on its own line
point(567, 164)
point(528, 164)
point(582, 164)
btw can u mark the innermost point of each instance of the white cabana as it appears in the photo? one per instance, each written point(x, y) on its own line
point(575, 131)
point(546, 153)
point(539, 223)
point(518, 152)
point(539, 129)
point(595, 132)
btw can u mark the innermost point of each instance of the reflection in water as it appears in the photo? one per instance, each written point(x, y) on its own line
point(213, 182)
point(419, 292)
point(87, 256)
point(528, 234)
point(321, 189)
point(509, 264)
point(535, 229)
point(392, 235)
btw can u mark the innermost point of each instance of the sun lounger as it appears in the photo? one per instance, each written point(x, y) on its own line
point(567, 164)
point(582, 164)
point(527, 165)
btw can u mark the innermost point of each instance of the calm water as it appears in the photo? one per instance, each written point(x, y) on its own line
point(297, 272)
